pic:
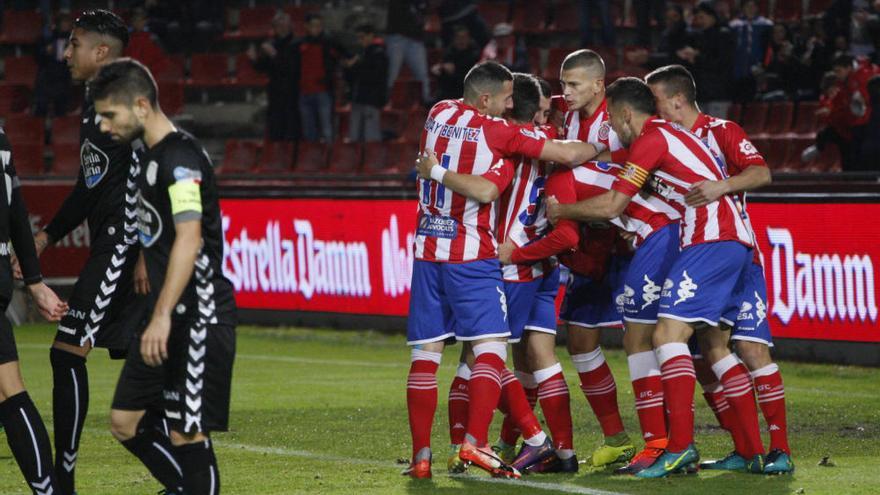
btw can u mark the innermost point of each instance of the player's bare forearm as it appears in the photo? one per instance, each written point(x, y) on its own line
point(472, 186)
point(569, 153)
point(754, 177)
point(181, 263)
point(605, 206)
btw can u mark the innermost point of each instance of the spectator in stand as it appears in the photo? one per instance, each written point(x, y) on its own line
point(143, 45)
point(834, 118)
point(812, 50)
point(367, 74)
point(752, 32)
point(709, 57)
point(854, 75)
point(673, 38)
point(405, 40)
point(506, 49)
point(722, 10)
point(644, 10)
point(869, 160)
point(458, 59)
point(53, 82)
point(279, 58)
point(864, 30)
point(783, 70)
point(164, 20)
point(464, 13)
point(318, 56)
point(605, 22)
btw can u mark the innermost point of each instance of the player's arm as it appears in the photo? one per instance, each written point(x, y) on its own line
point(605, 206)
point(186, 208)
point(569, 153)
point(72, 213)
point(740, 155)
point(482, 188)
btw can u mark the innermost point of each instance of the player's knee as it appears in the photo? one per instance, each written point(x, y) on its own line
point(62, 358)
point(10, 380)
point(59, 348)
point(123, 424)
point(179, 438)
point(755, 355)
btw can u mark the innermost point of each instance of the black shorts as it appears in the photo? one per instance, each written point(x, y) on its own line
point(192, 387)
point(8, 351)
point(104, 309)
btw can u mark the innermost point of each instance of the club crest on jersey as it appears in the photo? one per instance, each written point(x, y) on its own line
point(149, 223)
point(604, 131)
point(152, 169)
point(94, 163)
point(747, 148)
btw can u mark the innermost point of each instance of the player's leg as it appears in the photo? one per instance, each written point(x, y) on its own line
point(198, 462)
point(70, 404)
point(510, 430)
point(458, 409)
point(25, 432)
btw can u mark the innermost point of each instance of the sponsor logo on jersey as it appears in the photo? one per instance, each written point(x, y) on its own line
point(650, 292)
point(94, 163)
point(149, 223)
point(686, 288)
point(626, 297)
point(437, 226)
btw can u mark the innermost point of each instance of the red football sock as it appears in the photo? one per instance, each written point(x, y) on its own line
point(771, 398)
point(484, 389)
point(713, 392)
point(644, 371)
point(597, 384)
point(519, 409)
point(741, 396)
point(458, 405)
point(421, 397)
point(556, 404)
point(679, 379)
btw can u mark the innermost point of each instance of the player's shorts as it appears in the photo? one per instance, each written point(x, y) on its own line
point(704, 281)
point(749, 321)
point(8, 351)
point(593, 304)
point(461, 300)
point(104, 308)
point(531, 306)
point(192, 387)
point(647, 271)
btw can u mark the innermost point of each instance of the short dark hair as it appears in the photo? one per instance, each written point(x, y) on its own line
point(546, 89)
point(526, 97)
point(584, 59)
point(123, 80)
point(634, 92)
point(103, 22)
point(706, 8)
point(843, 60)
point(485, 77)
point(676, 79)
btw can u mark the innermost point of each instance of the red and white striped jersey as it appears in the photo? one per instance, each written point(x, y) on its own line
point(730, 143)
point(593, 129)
point(674, 159)
point(452, 227)
point(644, 215)
point(522, 212)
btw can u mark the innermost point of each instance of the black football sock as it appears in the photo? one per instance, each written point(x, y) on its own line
point(152, 446)
point(29, 443)
point(70, 403)
point(200, 475)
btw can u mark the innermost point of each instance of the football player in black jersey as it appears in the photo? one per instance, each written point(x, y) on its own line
point(104, 311)
point(25, 432)
point(191, 330)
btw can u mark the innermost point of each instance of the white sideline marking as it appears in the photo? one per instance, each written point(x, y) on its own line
point(536, 485)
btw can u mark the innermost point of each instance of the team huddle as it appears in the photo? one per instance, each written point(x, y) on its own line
point(642, 197)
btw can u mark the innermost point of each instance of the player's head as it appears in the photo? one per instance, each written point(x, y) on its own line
point(543, 114)
point(126, 97)
point(526, 98)
point(842, 65)
point(630, 103)
point(583, 78)
point(488, 87)
point(98, 37)
point(674, 89)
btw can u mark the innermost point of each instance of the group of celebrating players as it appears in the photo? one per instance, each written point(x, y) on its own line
point(152, 290)
point(643, 200)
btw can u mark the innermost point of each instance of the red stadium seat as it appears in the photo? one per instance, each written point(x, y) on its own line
point(795, 146)
point(787, 10)
point(345, 158)
point(311, 157)
point(25, 129)
point(405, 95)
point(401, 157)
point(171, 97)
point(733, 112)
point(13, 99)
point(554, 61)
point(208, 70)
point(774, 151)
point(20, 27)
point(819, 6)
point(246, 74)
point(20, 70)
point(253, 23)
point(566, 17)
point(754, 117)
point(493, 12)
point(277, 157)
point(66, 129)
point(395, 123)
point(28, 158)
point(779, 118)
point(375, 158)
point(530, 17)
point(609, 56)
point(239, 156)
point(172, 70)
point(806, 122)
point(65, 159)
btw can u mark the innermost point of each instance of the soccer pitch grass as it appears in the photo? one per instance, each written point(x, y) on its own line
point(321, 411)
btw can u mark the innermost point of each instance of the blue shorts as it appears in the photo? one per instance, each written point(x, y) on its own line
point(749, 321)
point(593, 304)
point(648, 269)
point(461, 300)
point(531, 306)
point(704, 281)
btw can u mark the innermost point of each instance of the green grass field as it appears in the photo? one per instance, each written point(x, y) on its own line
point(319, 411)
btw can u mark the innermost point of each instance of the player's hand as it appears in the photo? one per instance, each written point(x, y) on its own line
point(553, 209)
point(705, 192)
point(627, 236)
point(141, 280)
point(48, 303)
point(16, 268)
point(154, 341)
point(425, 163)
point(505, 252)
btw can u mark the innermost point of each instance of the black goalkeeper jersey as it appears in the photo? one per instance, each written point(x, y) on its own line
point(176, 184)
point(99, 195)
